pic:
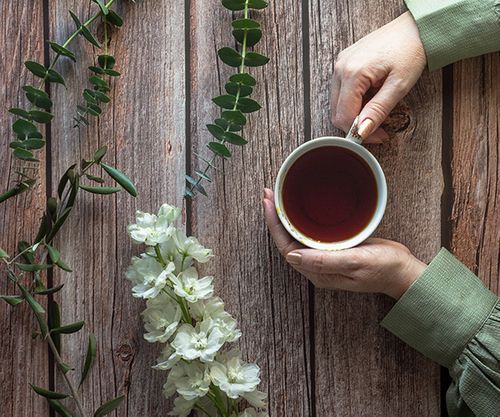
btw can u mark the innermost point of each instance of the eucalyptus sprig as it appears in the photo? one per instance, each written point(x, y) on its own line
point(24, 270)
point(236, 103)
point(28, 137)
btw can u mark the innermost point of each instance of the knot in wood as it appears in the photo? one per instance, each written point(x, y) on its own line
point(398, 120)
point(125, 352)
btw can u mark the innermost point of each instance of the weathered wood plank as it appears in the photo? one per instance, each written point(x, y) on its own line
point(23, 360)
point(362, 370)
point(268, 299)
point(475, 223)
point(144, 129)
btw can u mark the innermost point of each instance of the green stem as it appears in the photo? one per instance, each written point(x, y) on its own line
point(241, 70)
point(159, 256)
point(199, 407)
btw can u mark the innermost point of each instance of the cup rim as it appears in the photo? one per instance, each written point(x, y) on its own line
point(381, 190)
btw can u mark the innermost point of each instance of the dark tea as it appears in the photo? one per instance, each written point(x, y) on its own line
point(330, 194)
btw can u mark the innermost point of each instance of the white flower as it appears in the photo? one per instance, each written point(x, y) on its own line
point(188, 286)
point(195, 381)
point(169, 213)
point(161, 318)
point(213, 309)
point(182, 407)
point(148, 276)
point(151, 229)
point(233, 376)
point(255, 398)
point(190, 247)
point(167, 359)
point(202, 341)
point(252, 412)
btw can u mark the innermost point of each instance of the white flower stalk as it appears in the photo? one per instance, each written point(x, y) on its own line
point(233, 376)
point(188, 286)
point(183, 315)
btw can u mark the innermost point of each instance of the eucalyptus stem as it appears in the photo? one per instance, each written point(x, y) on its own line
point(203, 410)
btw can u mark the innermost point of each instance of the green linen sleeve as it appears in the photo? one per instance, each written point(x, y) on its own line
point(452, 30)
point(452, 318)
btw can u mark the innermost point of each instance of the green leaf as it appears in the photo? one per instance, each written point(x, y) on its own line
point(102, 6)
point(94, 178)
point(24, 155)
point(93, 109)
point(254, 59)
point(101, 97)
point(226, 126)
point(23, 246)
point(66, 368)
point(253, 36)
point(243, 78)
point(235, 117)
point(121, 179)
point(234, 139)
point(236, 5)
point(13, 300)
point(100, 154)
point(20, 112)
point(109, 407)
point(54, 77)
point(37, 309)
point(61, 264)
point(235, 88)
point(3, 254)
point(247, 105)
point(89, 96)
point(48, 291)
point(64, 180)
point(54, 254)
point(38, 97)
point(68, 328)
point(100, 190)
point(23, 128)
point(230, 56)
point(226, 101)
point(106, 61)
point(60, 221)
point(59, 408)
point(98, 82)
point(32, 267)
point(28, 144)
point(37, 69)
point(84, 31)
point(203, 175)
point(219, 149)
point(48, 394)
point(216, 131)
point(54, 317)
point(61, 50)
point(245, 24)
point(114, 18)
point(111, 72)
point(89, 357)
point(41, 116)
point(97, 70)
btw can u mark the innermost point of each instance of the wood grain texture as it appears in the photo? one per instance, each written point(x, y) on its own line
point(475, 231)
point(361, 369)
point(269, 301)
point(143, 127)
point(21, 40)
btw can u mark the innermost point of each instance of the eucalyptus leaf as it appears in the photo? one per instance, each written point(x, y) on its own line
point(41, 116)
point(54, 317)
point(48, 394)
point(35, 68)
point(89, 357)
point(59, 408)
point(20, 112)
point(114, 18)
point(87, 34)
point(54, 254)
point(253, 36)
point(64, 180)
point(48, 291)
point(230, 56)
point(237, 88)
point(225, 101)
point(109, 406)
point(61, 264)
point(98, 82)
point(254, 59)
point(102, 6)
point(59, 222)
point(29, 144)
point(227, 126)
point(121, 179)
point(13, 300)
point(32, 267)
point(112, 73)
point(68, 328)
point(101, 97)
point(106, 61)
point(234, 139)
point(247, 105)
point(3, 254)
point(243, 78)
point(96, 70)
point(235, 117)
point(54, 77)
point(203, 175)
point(99, 180)
point(216, 131)
point(38, 97)
point(100, 190)
point(219, 149)
point(236, 5)
point(37, 309)
point(23, 128)
point(61, 50)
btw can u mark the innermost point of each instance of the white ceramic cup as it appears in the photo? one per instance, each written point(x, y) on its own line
point(353, 143)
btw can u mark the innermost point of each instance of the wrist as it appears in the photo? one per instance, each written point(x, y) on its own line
point(409, 270)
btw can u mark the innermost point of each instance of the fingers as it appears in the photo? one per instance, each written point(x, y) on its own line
point(379, 107)
point(348, 104)
point(281, 237)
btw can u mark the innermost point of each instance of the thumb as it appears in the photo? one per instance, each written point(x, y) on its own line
point(379, 107)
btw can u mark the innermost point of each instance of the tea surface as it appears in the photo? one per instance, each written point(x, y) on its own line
point(330, 194)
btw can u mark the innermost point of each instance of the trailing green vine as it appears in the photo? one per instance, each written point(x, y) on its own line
point(25, 267)
point(236, 103)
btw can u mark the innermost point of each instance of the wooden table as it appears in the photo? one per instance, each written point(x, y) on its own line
point(322, 353)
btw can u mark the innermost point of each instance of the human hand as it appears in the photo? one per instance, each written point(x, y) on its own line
point(377, 265)
point(390, 60)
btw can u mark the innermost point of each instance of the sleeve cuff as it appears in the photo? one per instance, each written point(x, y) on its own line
point(442, 310)
point(452, 30)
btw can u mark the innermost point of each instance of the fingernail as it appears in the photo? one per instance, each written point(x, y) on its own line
point(294, 258)
point(365, 128)
point(267, 193)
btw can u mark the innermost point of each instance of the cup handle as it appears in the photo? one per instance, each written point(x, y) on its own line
point(353, 135)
